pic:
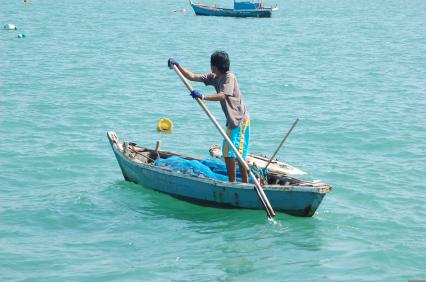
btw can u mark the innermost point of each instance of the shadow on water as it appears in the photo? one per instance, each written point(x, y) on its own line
point(154, 205)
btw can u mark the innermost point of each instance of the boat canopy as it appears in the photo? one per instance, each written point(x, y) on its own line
point(245, 5)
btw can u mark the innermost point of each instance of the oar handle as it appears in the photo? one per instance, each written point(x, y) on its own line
point(183, 78)
point(258, 188)
point(282, 142)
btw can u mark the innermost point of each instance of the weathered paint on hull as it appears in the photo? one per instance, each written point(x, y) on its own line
point(201, 11)
point(216, 193)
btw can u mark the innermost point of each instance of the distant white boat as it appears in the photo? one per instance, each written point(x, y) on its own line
point(10, 27)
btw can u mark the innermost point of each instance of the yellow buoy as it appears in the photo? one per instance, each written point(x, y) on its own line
point(165, 124)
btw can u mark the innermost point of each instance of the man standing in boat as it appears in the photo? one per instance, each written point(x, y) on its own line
point(231, 101)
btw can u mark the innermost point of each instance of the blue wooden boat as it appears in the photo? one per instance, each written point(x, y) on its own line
point(241, 9)
point(286, 194)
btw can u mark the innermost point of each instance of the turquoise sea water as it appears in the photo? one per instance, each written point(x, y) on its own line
point(354, 72)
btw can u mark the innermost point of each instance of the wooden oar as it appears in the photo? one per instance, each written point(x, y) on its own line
point(258, 188)
point(282, 142)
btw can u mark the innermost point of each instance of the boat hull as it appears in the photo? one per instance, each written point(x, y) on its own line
point(299, 201)
point(211, 11)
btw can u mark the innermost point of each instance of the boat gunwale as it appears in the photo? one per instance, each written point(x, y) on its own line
point(320, 189)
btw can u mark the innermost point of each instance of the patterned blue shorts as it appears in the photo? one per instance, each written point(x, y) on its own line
point(240, 137)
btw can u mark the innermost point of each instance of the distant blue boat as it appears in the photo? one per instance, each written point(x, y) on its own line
point(241, 9)
point(285, 193)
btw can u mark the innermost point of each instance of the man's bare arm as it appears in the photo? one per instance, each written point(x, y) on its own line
point(190, 75)
point(215, 97)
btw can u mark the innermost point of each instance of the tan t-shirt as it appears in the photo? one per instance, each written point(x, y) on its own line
point(233, 106)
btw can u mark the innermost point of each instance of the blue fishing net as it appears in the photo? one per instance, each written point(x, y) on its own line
point(210, 168)
point(219, 167)
point(190, 167)
point(216, 166)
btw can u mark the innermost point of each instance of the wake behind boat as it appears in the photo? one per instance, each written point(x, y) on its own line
point(151, 168)
point(241, 9)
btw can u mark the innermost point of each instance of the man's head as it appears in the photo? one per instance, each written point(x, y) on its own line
point(219, 62)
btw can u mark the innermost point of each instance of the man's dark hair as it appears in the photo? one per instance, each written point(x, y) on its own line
point(220, 60)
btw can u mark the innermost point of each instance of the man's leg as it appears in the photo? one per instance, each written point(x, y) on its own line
point(244, 174)
point(244, 138)
point(230, 167)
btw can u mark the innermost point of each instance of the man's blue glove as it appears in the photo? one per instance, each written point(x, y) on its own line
point(172, 62)
point(196, 94)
